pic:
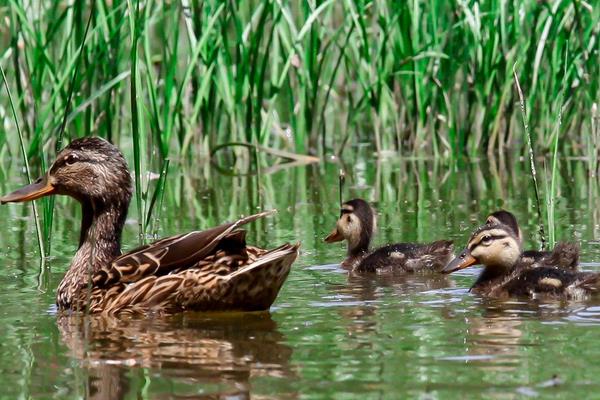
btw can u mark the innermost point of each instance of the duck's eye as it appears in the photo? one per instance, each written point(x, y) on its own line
point(486, 240)
point(71, 159)
point(349, 219)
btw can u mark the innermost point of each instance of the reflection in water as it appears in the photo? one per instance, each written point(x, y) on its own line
point(494, 339)
point(226, 350)
point(363, 292)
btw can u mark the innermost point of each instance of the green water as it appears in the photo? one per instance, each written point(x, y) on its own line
point(328, 335)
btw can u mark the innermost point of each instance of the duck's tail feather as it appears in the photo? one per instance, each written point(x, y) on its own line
point(590, 283)
point(441, 247)
point(566, 255)
point(256, 285)
point(440, 252)
point(254, 217)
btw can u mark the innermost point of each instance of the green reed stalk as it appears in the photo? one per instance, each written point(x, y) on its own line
point(552, 197)
point(341, 181)
point(531, 156)
point(595, 139)
point(134, 14)
point(158, 195)
point(38, 227)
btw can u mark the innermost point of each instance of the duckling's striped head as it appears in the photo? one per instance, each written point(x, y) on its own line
point(356, 225)
point(493, 245)
point(505, 218)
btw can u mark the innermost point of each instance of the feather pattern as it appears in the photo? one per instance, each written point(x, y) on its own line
point(222, 274)
point(541, 281)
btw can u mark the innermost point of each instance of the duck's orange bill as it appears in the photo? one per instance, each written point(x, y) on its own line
point(39, 188)
point(464, 260)
point(334, 236)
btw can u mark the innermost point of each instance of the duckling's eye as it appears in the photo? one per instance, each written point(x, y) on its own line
point(349, 219)
point(486, 240)
point(71, 159)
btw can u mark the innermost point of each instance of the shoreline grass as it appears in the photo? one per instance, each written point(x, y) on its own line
point(415, 78)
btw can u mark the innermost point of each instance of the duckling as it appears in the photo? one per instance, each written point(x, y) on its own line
point(356, 225)
point(565, 255)
point(497, 247)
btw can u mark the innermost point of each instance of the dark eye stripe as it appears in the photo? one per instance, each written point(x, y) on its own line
point(344, 211)
point(497, 237)
point(489, 238)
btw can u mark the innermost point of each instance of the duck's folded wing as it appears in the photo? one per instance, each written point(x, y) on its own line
point(565, 255)
point(166, 255)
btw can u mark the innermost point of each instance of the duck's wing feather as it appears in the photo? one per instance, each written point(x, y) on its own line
point(175, 252)
point(564, 255)
point(251, 287)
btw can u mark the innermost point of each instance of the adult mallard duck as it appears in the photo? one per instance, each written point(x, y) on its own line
point(204, 270)
point(356, 225)
point(507, 272)
point(564, 255)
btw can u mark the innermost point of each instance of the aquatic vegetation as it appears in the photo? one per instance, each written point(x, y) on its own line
point(429, 77)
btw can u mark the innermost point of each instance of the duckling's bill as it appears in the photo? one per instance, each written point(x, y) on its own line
point(40, 188)
point(464, 260)
point(334, 236)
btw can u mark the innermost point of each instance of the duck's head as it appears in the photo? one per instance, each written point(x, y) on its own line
point(356, 225)
point(89, 169)
point(503, 217)
point(493, 245)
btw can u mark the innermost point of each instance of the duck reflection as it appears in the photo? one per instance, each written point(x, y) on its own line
point(495, 340)
point(224, 351)
point(371, 287)
point(364, 292)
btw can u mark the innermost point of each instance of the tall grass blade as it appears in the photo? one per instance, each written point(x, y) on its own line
point(552, 197)
point(134, 15)
point(531, 156)
point(36, 217)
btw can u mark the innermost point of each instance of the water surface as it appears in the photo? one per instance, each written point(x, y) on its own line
point(328, 334)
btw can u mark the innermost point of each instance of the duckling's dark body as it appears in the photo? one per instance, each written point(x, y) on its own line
point(508, 272)
point(409, 257)
point(357, 224)
point(541, 281)
point(564, 255)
